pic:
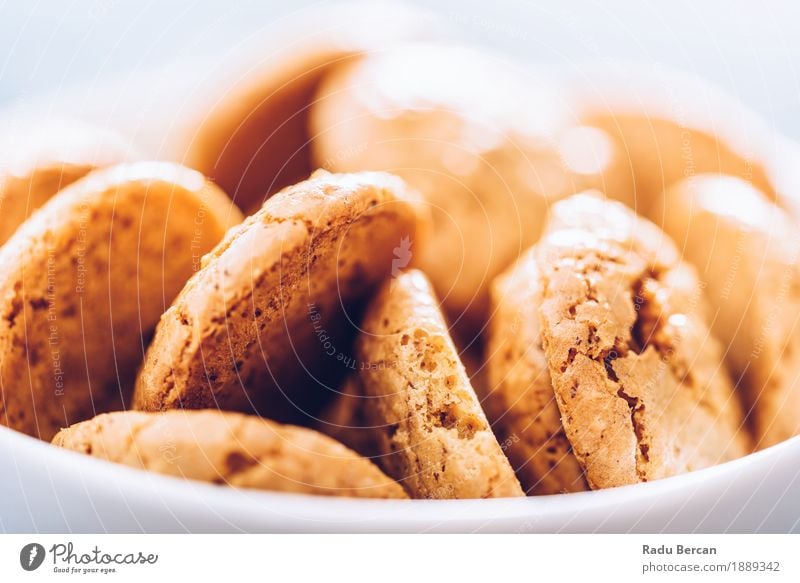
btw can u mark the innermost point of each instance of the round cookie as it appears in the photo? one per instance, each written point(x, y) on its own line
point(427, 421)
point(84, 281)
point(487, 143)
point(747, 252)
point(37, 159)
point(670, 127)
point(266, 325)
point(518, 396)
point(638, 378)
point(230, 448)
point(248, 129)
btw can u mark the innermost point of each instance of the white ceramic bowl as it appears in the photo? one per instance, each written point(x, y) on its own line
point(45, 489)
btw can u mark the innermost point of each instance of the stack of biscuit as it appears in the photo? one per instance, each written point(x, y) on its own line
point(462, 302)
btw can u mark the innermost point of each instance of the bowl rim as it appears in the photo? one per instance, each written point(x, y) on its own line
point(341, 510)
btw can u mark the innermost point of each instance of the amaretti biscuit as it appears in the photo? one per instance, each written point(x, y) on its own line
point(267, 323)
point(518, 396)
point(747, 252)
point(84, 282)
point(663, 151)
point(246, 126)
point(489, 145)
point(252, 140)
point(39, 158)
point(230, 448)
point(638, 377)
point(429, 427)
point(670, 127)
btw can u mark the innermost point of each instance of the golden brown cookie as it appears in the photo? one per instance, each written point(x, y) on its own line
point(247, 130)
point(747, 252)
point(230, 448)
point(37, 159)
point(638, 378)
point(518, 397)
point(84, 281)
point(429, 426)
point(488, 144)
point(670, 127)
point(662, 151)
point(267, 323)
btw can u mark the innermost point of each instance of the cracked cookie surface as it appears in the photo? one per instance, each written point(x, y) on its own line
point(230, 448)
point(266, 323)
point(431, 432)
point(638, 378)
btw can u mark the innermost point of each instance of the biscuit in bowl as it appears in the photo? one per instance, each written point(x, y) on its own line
point(638, 377)
point(488, 143)
point(237, 450)
point(84, 281)
point(669, 127)
point(747, 253)
point(267, 323)
point(425, 418)
point(247, 129)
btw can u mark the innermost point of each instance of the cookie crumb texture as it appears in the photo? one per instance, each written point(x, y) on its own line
point(431, 431)
point(230, 448)
point(266, 324)
point(84, 282)
point(639, 380)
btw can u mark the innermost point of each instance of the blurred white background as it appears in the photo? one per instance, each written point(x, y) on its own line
point(750, 48)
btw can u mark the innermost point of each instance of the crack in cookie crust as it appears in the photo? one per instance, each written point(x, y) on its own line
point(518, 395)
